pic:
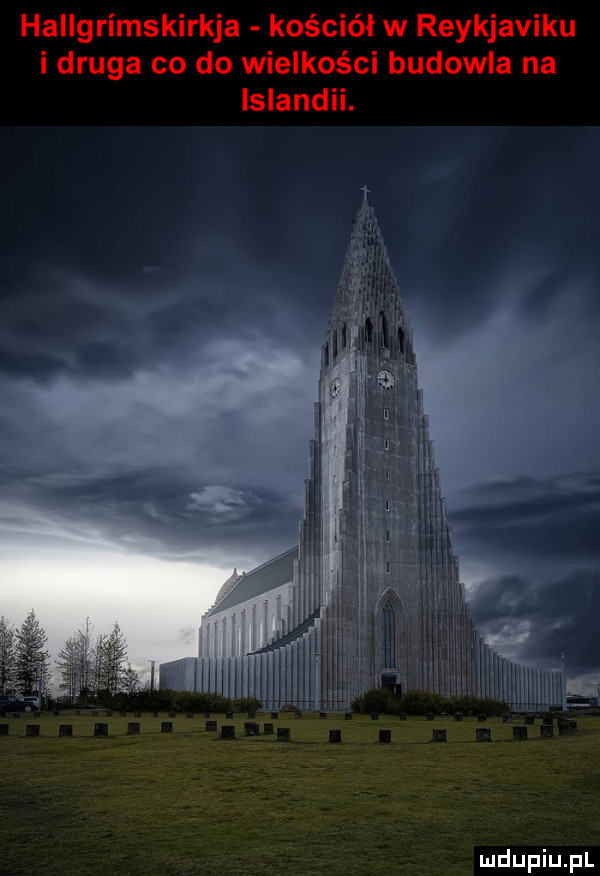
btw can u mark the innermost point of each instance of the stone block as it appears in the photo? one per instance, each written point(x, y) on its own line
point(439, 736)
point(251, 728)
point(374, 716)
point(3, 729)
point(546, 731)
point(385, 735)
point(283, 734)
point(65, 729)
point(519, 733)
point(274, 715)
point(228, 731)
point(458, 716)
point(166, 726)
point(133, 728)
point(483, 734)
point(573, 726)
point(210, 726)
point(32, 730)
point(100, 729)
point(563, 728)
point(335, 736)
point(348, 716)
point(548, 720)
point(268, 729)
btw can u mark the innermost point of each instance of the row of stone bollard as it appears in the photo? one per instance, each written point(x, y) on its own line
point(252, 728)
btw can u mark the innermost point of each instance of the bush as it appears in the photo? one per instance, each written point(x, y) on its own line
point(246, 704)
point(420, 702)
point(377, 699)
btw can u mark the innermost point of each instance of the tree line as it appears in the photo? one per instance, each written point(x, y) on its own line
point(89, 666)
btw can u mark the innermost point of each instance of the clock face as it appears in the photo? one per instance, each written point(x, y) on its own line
point(385, 379)
point(335, 387)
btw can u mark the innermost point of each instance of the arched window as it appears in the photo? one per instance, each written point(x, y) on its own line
point(334, 344)
point(388, 637)
point(326, 354)
point(383, 330)
point(401, 340)
point(343, 336)
point(368, 331)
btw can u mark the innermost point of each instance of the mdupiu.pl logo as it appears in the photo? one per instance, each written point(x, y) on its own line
point(535, 859)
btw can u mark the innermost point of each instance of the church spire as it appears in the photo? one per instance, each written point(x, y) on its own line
point(367, 307)
point(367, 272)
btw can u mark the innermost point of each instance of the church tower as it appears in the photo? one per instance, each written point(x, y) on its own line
point(393, 612)
point(371, 595)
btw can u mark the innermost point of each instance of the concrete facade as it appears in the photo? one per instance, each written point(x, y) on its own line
point(371, 597)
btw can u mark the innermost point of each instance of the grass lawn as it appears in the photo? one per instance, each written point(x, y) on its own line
point(191, 803)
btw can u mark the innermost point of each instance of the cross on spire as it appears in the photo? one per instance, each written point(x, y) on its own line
point(365, 192)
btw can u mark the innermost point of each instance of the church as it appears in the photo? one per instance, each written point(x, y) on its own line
point(371, 595)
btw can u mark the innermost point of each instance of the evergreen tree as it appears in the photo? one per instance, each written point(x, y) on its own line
point(130, 683)
point(31, 659)
point(66, 663)
point(8, 659)
point(114, 659)
point(75, 663)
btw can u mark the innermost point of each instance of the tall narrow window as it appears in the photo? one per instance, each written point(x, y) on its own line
point(388, 535)
point(388, 636)
point(383, 330)
point(326, 354)
point(334, 344)
point(387, 504)
point(368, 331)
point(386, 444)
point(386, 414)
point(401, 340)
point(387, 567)
point(387, 474)
point(343, 336)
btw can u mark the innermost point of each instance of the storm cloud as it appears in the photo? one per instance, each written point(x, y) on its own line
point(163, 299)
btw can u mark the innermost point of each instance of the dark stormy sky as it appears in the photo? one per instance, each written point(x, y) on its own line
point(163, 299)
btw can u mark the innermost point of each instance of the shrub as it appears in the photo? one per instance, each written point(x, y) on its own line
point(246, 704)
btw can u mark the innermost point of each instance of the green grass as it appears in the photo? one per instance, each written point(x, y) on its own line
point(191, 803)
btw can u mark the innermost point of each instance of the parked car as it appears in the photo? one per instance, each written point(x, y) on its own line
point(13, 703)
point(35, 702)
